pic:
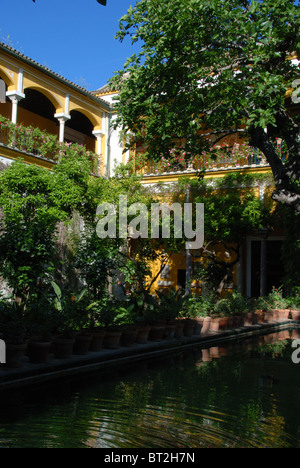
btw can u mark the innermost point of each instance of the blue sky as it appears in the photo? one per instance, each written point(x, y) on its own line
point(74, 38)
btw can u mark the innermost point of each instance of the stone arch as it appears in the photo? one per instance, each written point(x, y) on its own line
point(55, 102)
point(89, 115)
point(5, 77)
point(80, 122)
point(37, 101)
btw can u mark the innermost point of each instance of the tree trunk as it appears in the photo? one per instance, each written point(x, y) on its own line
point(285, 174)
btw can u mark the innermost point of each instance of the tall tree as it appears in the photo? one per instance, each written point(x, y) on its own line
point(209, 68)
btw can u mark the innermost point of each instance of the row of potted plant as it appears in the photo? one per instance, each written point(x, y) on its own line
point(236, 310)
point(73, 324)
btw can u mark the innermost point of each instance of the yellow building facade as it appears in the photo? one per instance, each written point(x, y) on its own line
point(35, 96)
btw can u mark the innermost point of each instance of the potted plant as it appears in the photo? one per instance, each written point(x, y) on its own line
point(294, 304)
point(198, 308)
point(261, 306)
point(111, 317)
point(279, 306)
point(239, 308)
point(169, 308)
point(39, 329)
point(125, 320)
point(220, 315)
point(95, 327)
point(13, 329)
point(67, 319)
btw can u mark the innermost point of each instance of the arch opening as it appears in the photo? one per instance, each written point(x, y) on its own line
point(79, 129)
point(39, 104)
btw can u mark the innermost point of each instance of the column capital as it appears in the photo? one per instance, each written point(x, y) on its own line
point(62, 117)
point(15, 95)
point(98, 133)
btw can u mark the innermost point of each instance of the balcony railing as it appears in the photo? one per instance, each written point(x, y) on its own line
point(209, 162)
point(40, 144)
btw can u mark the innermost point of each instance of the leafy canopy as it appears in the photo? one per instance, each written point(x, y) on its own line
point(220, 63)
point(211, 68)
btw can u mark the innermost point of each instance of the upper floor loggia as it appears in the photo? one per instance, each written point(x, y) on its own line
point(33, 95)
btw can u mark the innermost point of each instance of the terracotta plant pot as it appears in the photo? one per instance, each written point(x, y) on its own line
point(215, 324)
point(223, 325)
point(15, 354)
point(96, 343)
point(169, 333)
point(230, 322)
point(260, 316)
point(269, 316)
point(112, 339)
point(38, 351)
point(295, 314)
point(205, 326)
point(237, 321)
point(63, 347)
point(214, 352)
point(206, 355)
point(249, 319)
point(156, 333)
point(198, 325)
point(142, 334)
point(128, 337)
point(179, 329)
point(282, 314)
point(82, 344)
point(295, 334)
point(189, 327)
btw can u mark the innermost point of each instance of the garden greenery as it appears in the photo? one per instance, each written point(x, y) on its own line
point(61, 275)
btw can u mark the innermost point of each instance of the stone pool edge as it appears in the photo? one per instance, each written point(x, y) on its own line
point(55, 369)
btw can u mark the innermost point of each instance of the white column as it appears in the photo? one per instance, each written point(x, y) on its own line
point(20, 80)
point(62, 118)
point(67, 104)
point(15, 97)
point(99, 134)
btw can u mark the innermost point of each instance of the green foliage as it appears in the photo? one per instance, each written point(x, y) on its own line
point(109, 312)
point(233, 303)
point(13, 323)
point(170, 306)
point(95, 259)
point(71, 311)
point(232, 209)
point(294, 300)
point(207, 69)
point(274, 300)
point(198, 306)
point(28, 224)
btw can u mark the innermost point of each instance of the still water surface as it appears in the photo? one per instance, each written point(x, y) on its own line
point(236, 395)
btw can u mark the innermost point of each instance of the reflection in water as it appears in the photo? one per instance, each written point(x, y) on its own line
point(234, 395)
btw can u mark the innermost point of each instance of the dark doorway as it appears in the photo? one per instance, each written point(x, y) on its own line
point(274, 266)
point(181, 279)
